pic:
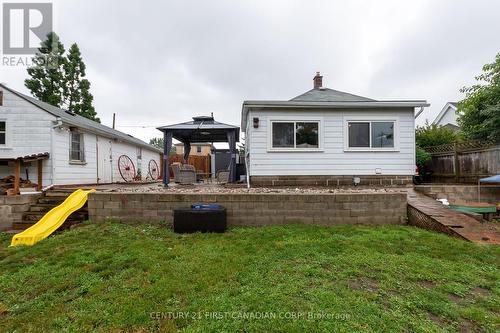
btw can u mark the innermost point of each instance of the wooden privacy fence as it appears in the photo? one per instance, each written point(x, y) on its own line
point(199, 162)
point(464, 162)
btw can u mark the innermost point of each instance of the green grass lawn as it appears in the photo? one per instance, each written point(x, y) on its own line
point(115, 277)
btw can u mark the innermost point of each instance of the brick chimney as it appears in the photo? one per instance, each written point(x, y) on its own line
point(318, 81)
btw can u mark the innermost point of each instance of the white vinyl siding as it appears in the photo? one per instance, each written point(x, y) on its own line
point(66, 170)
point(28, 131)
point(332, 158)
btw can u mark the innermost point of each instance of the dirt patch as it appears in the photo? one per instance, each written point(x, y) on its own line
point(426, 284)
point(455, 298)
point(364, 283)
point(3, 310)
point(467, 326)
point(479, 291)
point(437, 319)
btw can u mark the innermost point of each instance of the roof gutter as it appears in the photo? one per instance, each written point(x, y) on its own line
point(107, 135)
point(327, 105)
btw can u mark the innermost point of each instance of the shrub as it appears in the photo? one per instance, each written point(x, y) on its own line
point(422, 157)
point(434, 135)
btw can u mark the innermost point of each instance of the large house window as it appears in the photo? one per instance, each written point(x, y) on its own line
point(76, 152)
point(295, 134)
point(3, 132)
point(370, 134)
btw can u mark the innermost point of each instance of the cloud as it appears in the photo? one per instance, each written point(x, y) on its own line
point(156, 63)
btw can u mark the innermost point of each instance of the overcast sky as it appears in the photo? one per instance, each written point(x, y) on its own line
point(161, 62)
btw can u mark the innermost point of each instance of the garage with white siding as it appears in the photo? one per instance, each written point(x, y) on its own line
point(76, 150)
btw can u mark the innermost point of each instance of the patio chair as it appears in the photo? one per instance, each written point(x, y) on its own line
point(187, 174)
point(176, 170)
point(222, 176)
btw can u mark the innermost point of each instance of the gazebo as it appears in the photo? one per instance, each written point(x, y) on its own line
point(200, 129)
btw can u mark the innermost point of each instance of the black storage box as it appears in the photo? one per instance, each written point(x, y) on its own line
point(204, 218)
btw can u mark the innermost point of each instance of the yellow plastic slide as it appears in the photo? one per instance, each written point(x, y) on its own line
point(52, 220)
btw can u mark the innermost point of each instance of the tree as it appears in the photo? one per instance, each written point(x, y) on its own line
point(479, 112)
point(157, 142)
point(76, 89)
point(46, 82)
point(59, 80)
point(434, 135)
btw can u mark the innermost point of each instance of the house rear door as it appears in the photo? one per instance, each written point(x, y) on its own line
point(104, 161)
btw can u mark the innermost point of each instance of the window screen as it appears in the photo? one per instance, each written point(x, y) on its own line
point(306, 135)
point(3, 133)
point(283, 135)
point(382, 134)
point(76, 148)
point(359, 134)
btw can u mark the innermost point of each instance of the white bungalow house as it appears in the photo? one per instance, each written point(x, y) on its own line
point(40, 140)
point(329, 137)
point(448, 116)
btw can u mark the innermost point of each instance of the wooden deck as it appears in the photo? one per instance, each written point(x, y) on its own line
point(430, 214)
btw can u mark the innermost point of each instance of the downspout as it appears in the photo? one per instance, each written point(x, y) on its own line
point(419, 112)
point(58, 125)
point(247, 156)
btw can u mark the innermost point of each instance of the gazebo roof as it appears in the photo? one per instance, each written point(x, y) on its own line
point(201, 129)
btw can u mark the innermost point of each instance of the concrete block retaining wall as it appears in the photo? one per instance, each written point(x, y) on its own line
point(13, 207)
point(331, 181)
point(461, 193)
point(255, 209)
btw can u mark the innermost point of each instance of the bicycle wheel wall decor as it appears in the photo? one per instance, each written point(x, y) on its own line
point(154, 171)
point(126, 168)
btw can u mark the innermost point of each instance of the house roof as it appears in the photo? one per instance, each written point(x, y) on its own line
point(82, 122)
point(329, 95)
point(328, 99)
point(201, 129)
point(447, 106)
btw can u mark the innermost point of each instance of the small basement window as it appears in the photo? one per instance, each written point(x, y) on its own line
point(371, 134)
point(3, 132)
point(76, 152)
point(295, 134)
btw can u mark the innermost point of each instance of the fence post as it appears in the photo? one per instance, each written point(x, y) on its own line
point(456, 163)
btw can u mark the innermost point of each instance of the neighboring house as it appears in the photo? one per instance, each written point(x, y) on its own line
point(198, 149)
point(329, 137)
point(448, 116)
point(64, 147)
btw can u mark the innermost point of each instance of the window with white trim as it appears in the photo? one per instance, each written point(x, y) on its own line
point(295, 134)
point(76, 149)
point(370, 134)
point(3, 132)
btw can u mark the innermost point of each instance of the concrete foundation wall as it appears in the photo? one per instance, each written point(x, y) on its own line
point(255, 209)
point(333, 181)
point(461, 193)
point(13, 207)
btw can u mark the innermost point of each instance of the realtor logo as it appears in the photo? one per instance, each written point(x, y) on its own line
point(25, 25)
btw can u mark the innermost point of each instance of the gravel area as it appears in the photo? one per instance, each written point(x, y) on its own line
point(213, 188)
